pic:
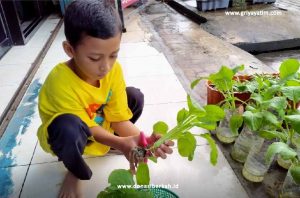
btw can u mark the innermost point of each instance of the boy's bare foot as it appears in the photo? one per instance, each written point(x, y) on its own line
point(70, 187)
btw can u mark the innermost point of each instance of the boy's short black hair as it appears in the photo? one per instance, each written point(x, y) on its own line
point(96, 18)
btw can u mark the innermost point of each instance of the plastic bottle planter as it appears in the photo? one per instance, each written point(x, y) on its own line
point(256, 166)
point(223, 131)
point(283, 163)
point(290, 189)
point(215, 97)
point(243, 144)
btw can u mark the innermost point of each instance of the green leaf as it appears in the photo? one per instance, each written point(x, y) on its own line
point(160, 127)
point(295, 172)
point(257, 97)
point(125, 193)
point(270, 92)
point(272, 135)
point(293, 82)
point(120, 177)
point(295, 121)
point(279, 148)
point(292, 93)
point(214, 113)
point(277, 103)
point(253, 120)
point(182, 115)
point(235, 123)
point(271, 118)
point(250, 108)
point(213, 147)
point(153, 159)
point(251, 86)
point(195, 82)
point(288, 68)
point(194, 108)
point(222, 79)
point(142, 174)
point(187, 145)
point(205, 125)
point(238, 68)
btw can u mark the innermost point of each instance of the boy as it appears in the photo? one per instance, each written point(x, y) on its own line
point(84, 100)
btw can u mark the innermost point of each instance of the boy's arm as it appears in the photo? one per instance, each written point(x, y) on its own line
point(124, 144)
point(125, 128)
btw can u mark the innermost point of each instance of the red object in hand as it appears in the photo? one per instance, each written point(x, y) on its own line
point(144, 142)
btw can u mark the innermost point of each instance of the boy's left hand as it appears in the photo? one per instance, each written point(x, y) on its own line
point(163, 149)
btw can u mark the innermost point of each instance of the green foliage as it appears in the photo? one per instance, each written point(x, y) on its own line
point(289, 68)
point(187, 145)
point(117, 179)
point(295, 121)
point(213, 146)
point(280, 148)
point(205, 117)
point(253, 120)
point(142, 174)
point(160, 127)
point(182, 115)
point(269, 135)
point(295, 172)
point(235, 123)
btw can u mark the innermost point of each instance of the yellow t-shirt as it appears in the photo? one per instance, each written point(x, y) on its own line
point(64, 92)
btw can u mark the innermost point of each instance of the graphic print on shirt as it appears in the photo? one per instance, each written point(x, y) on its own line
point(96, 110)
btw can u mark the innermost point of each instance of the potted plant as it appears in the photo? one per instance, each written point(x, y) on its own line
point(196, 116)
point(291, 184)
point(223, 81)
point(266, 103)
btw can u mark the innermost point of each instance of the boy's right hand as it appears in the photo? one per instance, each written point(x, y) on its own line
point(131, 142)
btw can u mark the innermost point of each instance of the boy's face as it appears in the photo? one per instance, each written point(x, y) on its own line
point(95, 57)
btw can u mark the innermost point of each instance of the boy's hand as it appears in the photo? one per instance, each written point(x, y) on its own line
point(131, 143)
point(163, 149)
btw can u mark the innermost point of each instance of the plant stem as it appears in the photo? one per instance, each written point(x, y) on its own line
point(184, 126)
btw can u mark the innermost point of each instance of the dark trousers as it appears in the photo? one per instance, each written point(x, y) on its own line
point(68, 135)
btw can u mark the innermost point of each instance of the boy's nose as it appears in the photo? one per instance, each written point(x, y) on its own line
point(104, 66)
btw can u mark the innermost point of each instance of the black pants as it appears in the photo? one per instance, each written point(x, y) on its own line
point(68, 135)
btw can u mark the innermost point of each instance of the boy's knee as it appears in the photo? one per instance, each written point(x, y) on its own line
point(135, 95)
point(67, 126)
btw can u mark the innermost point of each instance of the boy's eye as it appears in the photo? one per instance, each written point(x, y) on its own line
point(114, 56)
point(94, 59)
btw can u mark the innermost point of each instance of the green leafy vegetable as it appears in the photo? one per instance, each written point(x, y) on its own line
point(142, 174)
point(160, 127)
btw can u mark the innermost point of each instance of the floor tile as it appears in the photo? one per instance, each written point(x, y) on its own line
point(137, 49)
point(44, 70)
point(134, 37)
point(40, 156)
point(20, 55)
point(19, 139)
point(11, 181)
point(145, 66)
point(199, 176)
point(6, 93)
point(159, 89)
point(13, 74)
point(56, 54)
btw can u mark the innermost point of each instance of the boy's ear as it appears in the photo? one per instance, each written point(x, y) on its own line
point(69, 50)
